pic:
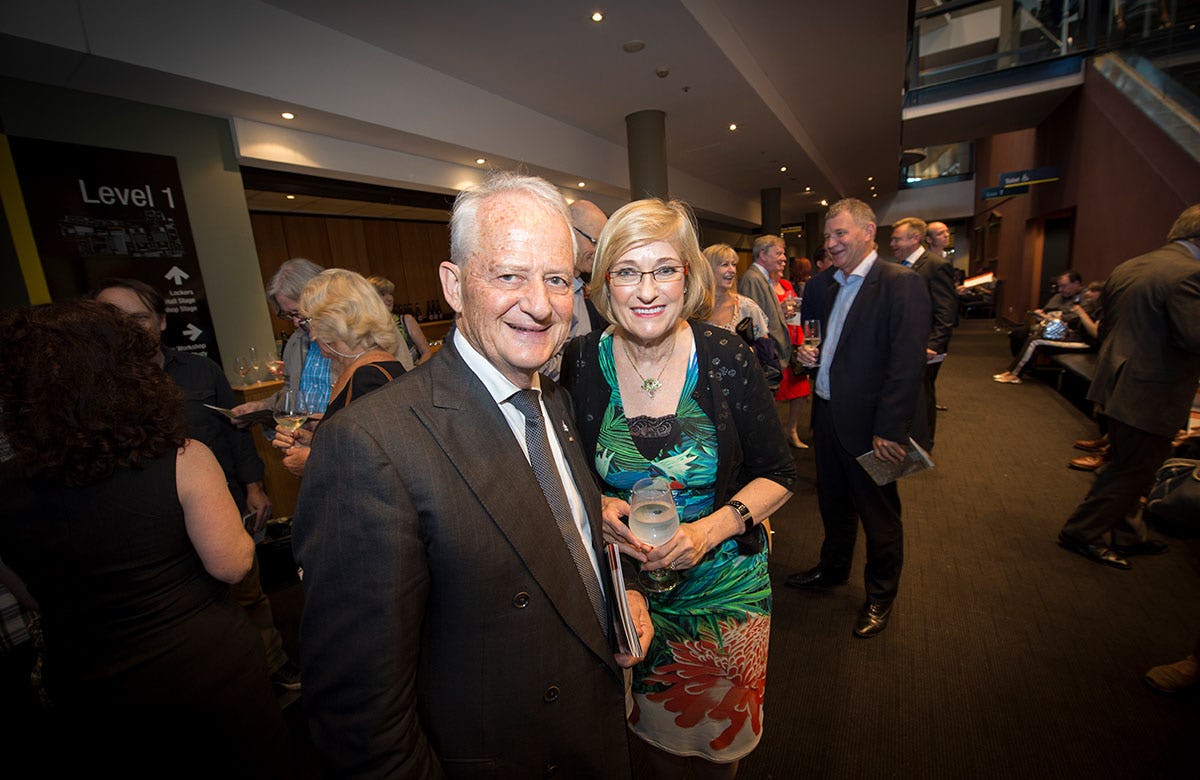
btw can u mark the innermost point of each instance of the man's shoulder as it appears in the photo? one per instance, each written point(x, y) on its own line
point(752, 278)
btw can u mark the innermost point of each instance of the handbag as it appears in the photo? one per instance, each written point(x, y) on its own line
point(1174, 498)
point(745, 329)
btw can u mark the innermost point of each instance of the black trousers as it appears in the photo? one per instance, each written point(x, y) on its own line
point(1136, 455)
point(931, 373)
point(847, 495)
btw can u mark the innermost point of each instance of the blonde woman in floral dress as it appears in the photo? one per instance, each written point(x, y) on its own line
point(662, 393)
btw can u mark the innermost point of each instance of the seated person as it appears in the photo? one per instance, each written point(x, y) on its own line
point(1068, 289)
point(1082, 320)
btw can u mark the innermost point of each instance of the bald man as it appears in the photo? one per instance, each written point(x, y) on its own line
point(937, 237)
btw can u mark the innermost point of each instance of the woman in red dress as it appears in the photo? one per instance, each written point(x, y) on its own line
point(794, 388)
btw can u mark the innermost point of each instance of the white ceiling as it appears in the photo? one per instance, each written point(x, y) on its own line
point(409, 92)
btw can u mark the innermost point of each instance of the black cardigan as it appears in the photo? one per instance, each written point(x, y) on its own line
point(731, 390)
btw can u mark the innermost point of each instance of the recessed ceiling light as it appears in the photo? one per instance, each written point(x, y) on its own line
point(783, 169)
point(874, 194)
point(872, 186)
point(288, 115)
point(824, 202)
point(480, 161)
point(732, 127)
point(870, 178)
point(290, 197)
point(582, 184)
point(597, 17)
point(808, 189)
point(633, 47)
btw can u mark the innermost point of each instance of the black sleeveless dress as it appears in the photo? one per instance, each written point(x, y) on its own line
point(147, 658)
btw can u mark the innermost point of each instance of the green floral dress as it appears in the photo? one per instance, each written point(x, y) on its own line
point(699, 692)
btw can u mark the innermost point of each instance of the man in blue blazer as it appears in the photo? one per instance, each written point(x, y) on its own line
point(866, 399)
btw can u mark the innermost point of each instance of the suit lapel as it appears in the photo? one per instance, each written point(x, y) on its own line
point(471, 429)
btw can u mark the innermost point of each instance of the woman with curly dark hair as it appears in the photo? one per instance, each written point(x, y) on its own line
point(125, 532)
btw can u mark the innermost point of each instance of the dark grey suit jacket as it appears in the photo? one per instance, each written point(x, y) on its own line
point(445, 626)
point(1149, 360)
point(755, 286)
point(876, 377)
point(939, 278)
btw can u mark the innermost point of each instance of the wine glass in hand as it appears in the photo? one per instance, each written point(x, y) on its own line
point(812, 336)
point(290, 411)
point(654, 520)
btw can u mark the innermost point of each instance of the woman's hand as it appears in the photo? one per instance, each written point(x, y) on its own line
point(616, 532)
point(295, 459)
point(285, 440)
point(683, 550)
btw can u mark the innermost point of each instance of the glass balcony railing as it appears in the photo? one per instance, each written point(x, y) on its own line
point(957, 39)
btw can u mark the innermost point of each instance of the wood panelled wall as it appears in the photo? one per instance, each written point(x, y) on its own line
point(408, 253)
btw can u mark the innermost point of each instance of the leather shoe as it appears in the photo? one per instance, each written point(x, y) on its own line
point(1091, 445)
point(1089, 462)
point(1144, 547)
point(1098, 553)
point(816, 578)
point(873, 618)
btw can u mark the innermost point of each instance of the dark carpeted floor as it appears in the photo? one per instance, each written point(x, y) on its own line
point(1006, 656)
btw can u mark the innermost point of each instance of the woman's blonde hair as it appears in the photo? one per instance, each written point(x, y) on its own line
point(343, 305)
point(719, 253)
point(645, 222)
point(382, 285)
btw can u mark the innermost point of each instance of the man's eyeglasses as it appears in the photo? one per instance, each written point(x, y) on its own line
point(585, 235)
point(630, 277)
point(296, 317)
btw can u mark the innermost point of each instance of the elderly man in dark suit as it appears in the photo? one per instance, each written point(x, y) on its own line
point(1145, 380)
point(939, 277)
point(449, 536)
point(865, 400)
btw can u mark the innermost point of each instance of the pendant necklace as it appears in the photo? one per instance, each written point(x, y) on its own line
point(652, 385)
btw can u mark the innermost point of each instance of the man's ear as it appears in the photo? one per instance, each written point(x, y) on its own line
point(452, 280)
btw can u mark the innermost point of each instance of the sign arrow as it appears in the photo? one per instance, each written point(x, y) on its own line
point(192, 332)
point(177, 275)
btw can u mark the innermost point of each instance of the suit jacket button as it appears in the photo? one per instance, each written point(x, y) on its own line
point(551, 694)
point(521, 600)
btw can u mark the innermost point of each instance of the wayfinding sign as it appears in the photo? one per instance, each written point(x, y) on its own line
point(98, 213)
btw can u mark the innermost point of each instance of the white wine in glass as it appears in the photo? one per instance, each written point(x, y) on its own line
point(290, 411)
point(654, 519)
point(812, 335)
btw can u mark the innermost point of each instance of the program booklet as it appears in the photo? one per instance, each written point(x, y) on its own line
point(264, 416)
point(623, 628)
point(915, 459)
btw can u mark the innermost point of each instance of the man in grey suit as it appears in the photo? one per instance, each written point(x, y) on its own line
point(455, 621)
point(769, 257)
point(1145, 381)
point(939, 277)
point(865, 400)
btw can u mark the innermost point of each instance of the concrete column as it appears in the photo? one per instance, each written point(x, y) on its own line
point(771, 220)
point(646, 134)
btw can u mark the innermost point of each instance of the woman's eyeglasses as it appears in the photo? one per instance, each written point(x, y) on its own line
point(630, 277)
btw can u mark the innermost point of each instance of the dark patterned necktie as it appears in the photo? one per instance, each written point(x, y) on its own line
point(536, 441)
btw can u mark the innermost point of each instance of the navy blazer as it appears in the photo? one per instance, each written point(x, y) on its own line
point(939, 277)
point(876, 377)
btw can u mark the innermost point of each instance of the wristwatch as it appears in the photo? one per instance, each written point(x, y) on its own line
point(743, 512)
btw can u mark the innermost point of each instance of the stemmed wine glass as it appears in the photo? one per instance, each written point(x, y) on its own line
point(291, 410)
point(255, 364)
point(812, 336)
point(243, 368)
point(653, 519)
